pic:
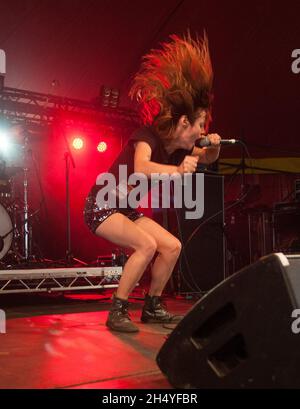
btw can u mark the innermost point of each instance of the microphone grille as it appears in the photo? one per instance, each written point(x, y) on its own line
point(204, 142)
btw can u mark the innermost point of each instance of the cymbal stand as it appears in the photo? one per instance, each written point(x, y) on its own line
point(26, 216)
point(25, 205)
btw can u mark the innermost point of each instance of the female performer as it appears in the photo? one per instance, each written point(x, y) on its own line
point(174, 90)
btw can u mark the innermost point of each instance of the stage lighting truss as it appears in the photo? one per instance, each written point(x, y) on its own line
point(40, 111)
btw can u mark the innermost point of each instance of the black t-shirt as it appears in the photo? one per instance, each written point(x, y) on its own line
point(158, 154)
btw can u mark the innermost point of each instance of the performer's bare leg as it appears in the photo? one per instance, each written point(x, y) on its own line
point(168, 247)
point(118, 229)
point(144, 236)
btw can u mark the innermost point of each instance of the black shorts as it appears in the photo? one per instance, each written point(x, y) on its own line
point(94, 215)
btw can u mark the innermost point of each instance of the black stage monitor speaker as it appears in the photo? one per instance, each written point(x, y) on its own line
point(202, 261)
point(243, 333)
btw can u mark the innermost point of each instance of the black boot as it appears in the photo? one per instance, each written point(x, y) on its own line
point(155, 311)
point(118, 317)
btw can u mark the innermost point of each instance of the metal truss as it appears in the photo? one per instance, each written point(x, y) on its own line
point(58, 279)
point(38, 110)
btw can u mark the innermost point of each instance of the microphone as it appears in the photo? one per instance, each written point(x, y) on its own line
point(203, 142)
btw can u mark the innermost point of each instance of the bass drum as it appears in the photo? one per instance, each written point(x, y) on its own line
point(5, 227)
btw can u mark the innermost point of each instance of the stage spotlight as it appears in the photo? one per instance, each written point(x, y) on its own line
point(4, 142)
point(77, 143)
point(102, 146)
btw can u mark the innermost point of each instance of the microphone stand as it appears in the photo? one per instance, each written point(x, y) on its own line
point(70, 259)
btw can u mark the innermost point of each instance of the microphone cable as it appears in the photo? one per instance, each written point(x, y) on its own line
point(190, 237)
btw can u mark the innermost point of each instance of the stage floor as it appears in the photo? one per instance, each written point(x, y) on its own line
point(62, 342)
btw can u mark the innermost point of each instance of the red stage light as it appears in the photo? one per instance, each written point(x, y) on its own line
point(77, 143)
point(102, 146)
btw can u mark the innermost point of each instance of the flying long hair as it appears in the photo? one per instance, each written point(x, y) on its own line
point(173, 81)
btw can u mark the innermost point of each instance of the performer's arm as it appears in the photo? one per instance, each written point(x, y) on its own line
point(143, 164)
point(208, 154)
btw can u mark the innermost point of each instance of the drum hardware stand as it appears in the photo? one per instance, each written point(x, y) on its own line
point(70, 259)
point(243, 193)
point(21, 228)
point(26, 207)
point(27, 234)
point(21, 231)
point(15, 228)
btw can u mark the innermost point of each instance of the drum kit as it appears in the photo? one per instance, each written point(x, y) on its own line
point(15, 235)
